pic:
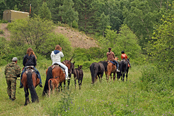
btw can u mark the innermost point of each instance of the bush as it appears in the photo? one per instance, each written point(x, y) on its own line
point(154, 79)
point(1, 31)
point(75, 24)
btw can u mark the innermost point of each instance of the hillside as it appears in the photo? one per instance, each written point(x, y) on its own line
point(76, 38)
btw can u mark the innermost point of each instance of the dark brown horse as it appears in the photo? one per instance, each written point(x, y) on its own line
point(70, 66)
point(30, 80)
point(78, 75)
point(96, 69)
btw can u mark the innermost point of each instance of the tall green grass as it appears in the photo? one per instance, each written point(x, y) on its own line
point(115, 98)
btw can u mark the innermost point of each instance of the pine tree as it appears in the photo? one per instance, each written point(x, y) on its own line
point(88, 19)
point(44, 12)
point(67, 12)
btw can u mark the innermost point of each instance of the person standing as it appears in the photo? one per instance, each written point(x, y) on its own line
point(12, 71)
point(56, 56)
point(111, 57)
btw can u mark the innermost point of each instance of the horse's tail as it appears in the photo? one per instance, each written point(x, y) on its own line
point(34, 96)
point(49, 76)
point(92, 72)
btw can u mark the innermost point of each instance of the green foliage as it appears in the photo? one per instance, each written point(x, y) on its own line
point(161, 47)
point(1, 31)
point(54, 40)
point(44, 12)
point(154, 79)
point(32, 32)
point(67, 12)
point(125, 41)
point(75, 24)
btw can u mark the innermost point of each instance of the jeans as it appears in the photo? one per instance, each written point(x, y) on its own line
point(116, 63)
point(37, 72)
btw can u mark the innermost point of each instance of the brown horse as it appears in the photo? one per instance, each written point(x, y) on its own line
point(111, 68)
point(56, 71)
point(30, 80)
point(53, 84)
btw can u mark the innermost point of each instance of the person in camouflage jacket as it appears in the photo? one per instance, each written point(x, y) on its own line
point(12, 71)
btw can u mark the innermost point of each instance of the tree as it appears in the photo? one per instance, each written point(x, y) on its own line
point(161, 47)
point(104, 20)
point(44, 12)
point(31, 32)
point(67, 12)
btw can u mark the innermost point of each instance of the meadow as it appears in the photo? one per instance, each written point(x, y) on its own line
point(113, 98)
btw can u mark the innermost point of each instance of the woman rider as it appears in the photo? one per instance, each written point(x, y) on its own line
point(56, 58)
point(30, 60)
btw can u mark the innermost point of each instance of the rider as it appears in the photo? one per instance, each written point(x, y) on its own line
point(30, 60)
point(56, 58)
point(124, 56)
point(111, 57)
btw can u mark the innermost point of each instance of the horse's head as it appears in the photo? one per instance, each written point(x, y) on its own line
point(69, 65)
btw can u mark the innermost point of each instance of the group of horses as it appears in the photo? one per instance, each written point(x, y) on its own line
point(108, 67)
point(55, 76)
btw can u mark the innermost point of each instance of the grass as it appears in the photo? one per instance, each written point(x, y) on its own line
point(101, 99)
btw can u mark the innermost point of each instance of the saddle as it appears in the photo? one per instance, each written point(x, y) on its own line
point(111, 62)
point(55, 64)
point(29, 69)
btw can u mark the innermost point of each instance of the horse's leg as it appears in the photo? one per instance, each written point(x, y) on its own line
point(60, 86)
point(75, 82)
point(79, 83)
point(114, 76)
point(68, 82)
point(26, 96)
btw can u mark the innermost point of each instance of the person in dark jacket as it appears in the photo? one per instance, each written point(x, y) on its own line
point(12, 71)
point(30, 60)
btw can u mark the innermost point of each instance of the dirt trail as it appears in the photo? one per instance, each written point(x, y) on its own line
point(6, 34)
point(76, 38)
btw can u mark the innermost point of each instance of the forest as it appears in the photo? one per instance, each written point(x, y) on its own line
point(141, 28)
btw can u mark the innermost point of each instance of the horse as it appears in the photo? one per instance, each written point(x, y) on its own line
point(30, 80)
point(70, 66)
point(78, 74)
point(111, 68)
point(124, 68)
point(52, 84)
point(96, 69)
point(53, 72)
point(105, 64)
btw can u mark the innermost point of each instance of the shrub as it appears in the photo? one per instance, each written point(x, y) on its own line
point(1, 31)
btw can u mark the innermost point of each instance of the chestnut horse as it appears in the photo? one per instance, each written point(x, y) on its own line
point(59, 75)
point(30, 80)
point(111, 68)
point(55, 71)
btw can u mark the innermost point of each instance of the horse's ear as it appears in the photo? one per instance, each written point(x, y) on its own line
point(74, 62)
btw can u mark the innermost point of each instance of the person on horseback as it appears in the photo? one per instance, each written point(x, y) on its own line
point(124, 56)
point(56, 58)
point(111, 57)
point(30, 60)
